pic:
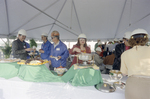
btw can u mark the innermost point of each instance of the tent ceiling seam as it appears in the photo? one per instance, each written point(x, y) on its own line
point(35, 28)
point(120, 19)
point(46, 14)
point(77, 16)
point(34, 16)
point(67, 30)
point(57, 16)
point(132, 24)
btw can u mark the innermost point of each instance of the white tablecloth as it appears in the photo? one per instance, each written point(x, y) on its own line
point(15, 88)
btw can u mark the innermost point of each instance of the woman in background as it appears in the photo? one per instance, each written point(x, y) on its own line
point(80, 47)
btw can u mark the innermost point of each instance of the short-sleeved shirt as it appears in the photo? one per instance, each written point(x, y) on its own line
point(136, 61)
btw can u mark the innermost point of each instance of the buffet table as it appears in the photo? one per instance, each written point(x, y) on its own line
point(9, 70)
point(16, 88)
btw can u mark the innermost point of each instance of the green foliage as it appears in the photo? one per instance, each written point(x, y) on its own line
point(7, 50)
point(33, 43)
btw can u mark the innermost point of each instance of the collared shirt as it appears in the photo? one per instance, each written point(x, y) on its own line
point(46, 47)
point(136, 61)
point(56, 44)
point(59, 50)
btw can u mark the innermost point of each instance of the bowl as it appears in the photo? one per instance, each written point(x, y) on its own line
point(115, 75)
point(85, 57)
point(60, 71)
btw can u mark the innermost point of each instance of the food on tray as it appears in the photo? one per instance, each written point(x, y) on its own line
point(21, 62)
point(60, 70)
point(33, 62)
point(45, 61)
point(9, 60)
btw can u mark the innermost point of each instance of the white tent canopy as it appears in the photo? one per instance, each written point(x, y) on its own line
point(98, 19)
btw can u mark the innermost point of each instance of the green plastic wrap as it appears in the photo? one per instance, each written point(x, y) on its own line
point(82, 77)
point(38, 73)
point(9, 70)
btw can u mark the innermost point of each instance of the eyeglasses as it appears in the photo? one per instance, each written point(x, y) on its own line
point(42, 36)
point(23, 36)
point(52, 37)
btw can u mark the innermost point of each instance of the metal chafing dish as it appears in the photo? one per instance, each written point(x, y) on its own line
point(115, 75)
point(85, 58)
point(119, 84)
point(105, 87)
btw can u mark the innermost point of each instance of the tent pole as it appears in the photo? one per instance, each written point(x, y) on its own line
point(7, 17)
point(57, 17)
point(120, 18)
point(34, 17)
point(77, 15)
point(8, 40)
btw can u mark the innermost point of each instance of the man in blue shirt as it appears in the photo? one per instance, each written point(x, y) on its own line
point(28, 46)
point(46, 47)
point(59, 52)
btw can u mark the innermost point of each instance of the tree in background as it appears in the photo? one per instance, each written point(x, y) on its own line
point(32, 43)
point(7, 50)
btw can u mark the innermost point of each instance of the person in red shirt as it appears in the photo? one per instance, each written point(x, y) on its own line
point(80, 47)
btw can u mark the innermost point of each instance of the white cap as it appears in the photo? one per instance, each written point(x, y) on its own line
point(110, 40)
point(22, 32)
point(127, 35)
point(100, 43)
point(82, 36)
point(34, 47)
point(120, 39)
point(44, 34)
point(139, 31)
point(115, 39)
point(17, 36)
point(98, 49)
point(113, 50)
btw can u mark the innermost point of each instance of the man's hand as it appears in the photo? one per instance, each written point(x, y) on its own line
point(49, 62)
point(41, 51)
point(77, 50)
point(59, 57)
point(29, 49)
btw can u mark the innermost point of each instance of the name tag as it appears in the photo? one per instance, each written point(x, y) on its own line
point(57, 49)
